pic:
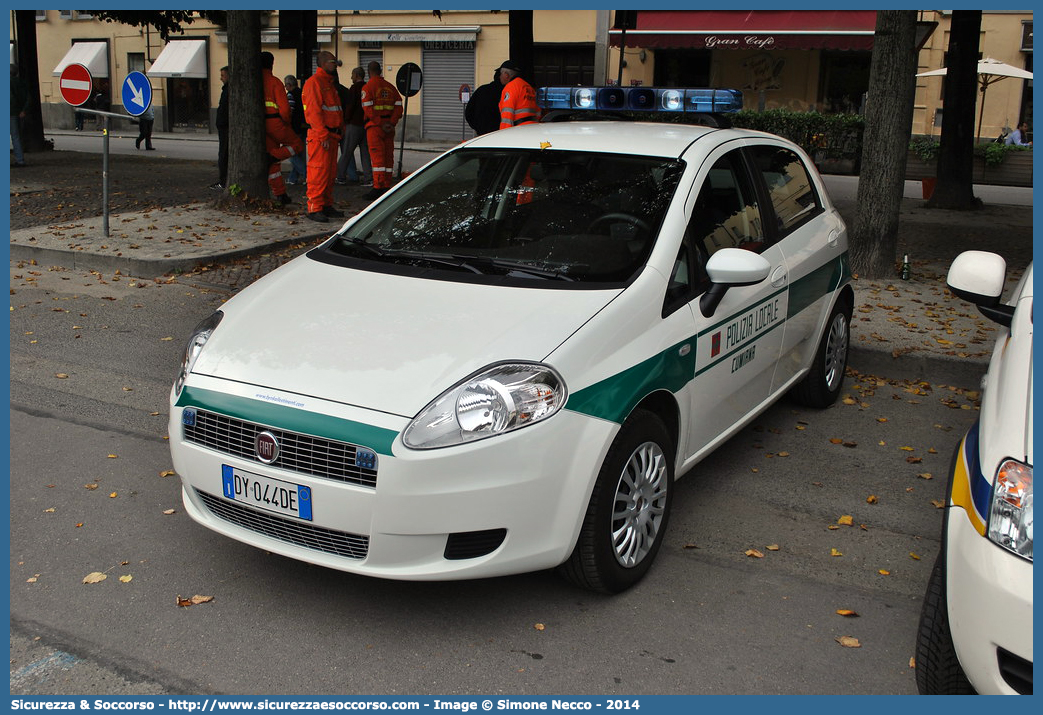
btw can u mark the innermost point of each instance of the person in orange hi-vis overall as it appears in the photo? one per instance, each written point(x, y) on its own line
point(322, 112)
point(280, 141)
point(518, 99)
point(382, 105)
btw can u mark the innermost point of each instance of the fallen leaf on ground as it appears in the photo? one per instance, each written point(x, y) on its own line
point(835, 552)
point(772, 547)
point(925, 475)
point(126, 579)
point(884, 572)
point(754, 553)
point(871, 499)
point(194, 601)
point(168, 511)
point(848, 642)
point(914, 556)
point(94, 577)
point(846, 520)
point(540, 627)
point(847, 613)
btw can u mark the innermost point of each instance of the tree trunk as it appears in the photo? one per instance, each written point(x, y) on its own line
point(29, 70)
point(520, 34)
point(247, 167)
point(955, 187)
point(889, 116)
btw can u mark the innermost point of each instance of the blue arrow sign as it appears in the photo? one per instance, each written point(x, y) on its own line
point(137, 93)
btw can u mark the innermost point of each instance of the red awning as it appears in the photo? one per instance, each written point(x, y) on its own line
point(752, 29)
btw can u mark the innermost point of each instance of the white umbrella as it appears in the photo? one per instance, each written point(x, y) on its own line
point(990, 71)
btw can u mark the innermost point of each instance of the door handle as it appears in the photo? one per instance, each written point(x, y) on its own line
point(778, 277)
point(834, 236)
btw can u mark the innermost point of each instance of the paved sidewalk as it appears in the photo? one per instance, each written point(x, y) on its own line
point(912, 330)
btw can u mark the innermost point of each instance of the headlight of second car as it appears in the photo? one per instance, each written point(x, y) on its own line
point(499, 399)
point(1010, 511)
point(194, 346)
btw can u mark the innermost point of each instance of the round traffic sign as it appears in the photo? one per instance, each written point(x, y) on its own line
point(75, 84)
point(409, 79)
point(137, 93)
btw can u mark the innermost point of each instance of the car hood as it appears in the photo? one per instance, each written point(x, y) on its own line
point(383, 342)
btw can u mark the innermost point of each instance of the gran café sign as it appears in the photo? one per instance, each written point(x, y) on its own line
point(757, 42)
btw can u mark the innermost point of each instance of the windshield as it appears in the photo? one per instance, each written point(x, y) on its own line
point(540, 214)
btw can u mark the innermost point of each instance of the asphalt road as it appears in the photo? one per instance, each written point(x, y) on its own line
point(92, 359)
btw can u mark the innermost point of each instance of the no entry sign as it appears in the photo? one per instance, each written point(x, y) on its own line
point(75, 84)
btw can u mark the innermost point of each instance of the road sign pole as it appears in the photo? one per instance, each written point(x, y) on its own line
point(402, 139)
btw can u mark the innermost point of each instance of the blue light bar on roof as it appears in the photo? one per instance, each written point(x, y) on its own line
point(640, 99)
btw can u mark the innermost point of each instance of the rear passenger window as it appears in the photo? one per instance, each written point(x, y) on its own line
point(789, 185)
point(726, 214)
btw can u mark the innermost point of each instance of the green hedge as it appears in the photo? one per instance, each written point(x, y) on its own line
point(823, 136)
point(993, 153)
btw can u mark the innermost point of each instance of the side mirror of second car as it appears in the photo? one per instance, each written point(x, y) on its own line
point(977, 277)
point(731, 267)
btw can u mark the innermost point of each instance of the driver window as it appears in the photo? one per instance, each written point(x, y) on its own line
point(726, 213)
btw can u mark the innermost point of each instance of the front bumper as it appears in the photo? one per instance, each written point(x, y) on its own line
point(988, 589)
point(529, 487)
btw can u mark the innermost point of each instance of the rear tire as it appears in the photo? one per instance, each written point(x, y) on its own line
point(938, 670)
point(821, 386)
point(628, 510)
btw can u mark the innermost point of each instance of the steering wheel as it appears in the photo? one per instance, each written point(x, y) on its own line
point(618, 216)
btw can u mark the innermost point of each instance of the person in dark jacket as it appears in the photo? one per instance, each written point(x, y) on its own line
point(298, 169)
point(146, 120)
point(354, 135)
point(221, 121)
point(483, 109)
point(21, 101)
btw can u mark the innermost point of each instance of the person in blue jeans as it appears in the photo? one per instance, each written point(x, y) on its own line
point(298, 166)
point(20, 103)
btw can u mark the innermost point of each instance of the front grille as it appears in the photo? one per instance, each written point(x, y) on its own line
point(297, 452)
point(308, 536)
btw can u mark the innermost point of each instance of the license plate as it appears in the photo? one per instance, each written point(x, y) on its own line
point(266, 493)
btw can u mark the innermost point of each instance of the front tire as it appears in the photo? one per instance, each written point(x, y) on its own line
point(821, 386)
point(628, 510)
point(938, 670)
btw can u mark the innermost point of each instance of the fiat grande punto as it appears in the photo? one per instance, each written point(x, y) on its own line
point(975, 633)
point(504, 363)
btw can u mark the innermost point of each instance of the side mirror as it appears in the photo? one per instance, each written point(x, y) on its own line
point(977, 277)
point(731, 267)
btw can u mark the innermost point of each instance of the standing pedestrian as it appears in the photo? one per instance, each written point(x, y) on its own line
point(298, 169)
point(518, 100)
point(354, 135)
point(322, 112)
point(221, 121)
point(382, 105)
point(145, 122)
point(21, 101)
point(280, 141)
point(483, 108)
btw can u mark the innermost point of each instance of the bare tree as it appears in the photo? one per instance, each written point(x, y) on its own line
point(247, 162)
point(955, 187)
point(889, 116)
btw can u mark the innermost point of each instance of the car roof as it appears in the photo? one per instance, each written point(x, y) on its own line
point(642, 138)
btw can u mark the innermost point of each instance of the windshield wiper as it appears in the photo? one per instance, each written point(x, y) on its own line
point(519, 267)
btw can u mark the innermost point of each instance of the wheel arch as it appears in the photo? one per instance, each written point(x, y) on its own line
point(663, 404)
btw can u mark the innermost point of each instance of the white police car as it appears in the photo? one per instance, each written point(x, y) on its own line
point(502, 365)
point(975, 630)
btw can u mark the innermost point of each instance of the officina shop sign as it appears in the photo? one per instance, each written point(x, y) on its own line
point(728, 42)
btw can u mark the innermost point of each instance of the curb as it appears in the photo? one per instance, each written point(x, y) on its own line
point(148, 267)
point(917, 367)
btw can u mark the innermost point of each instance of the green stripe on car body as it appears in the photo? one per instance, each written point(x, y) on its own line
point(615, 397)
point(288, 418)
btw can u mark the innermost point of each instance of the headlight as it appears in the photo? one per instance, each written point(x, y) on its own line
point(1010, 512)
point(499, 399)
point(195, 345)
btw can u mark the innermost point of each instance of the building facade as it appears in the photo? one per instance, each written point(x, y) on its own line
point(800, 60)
